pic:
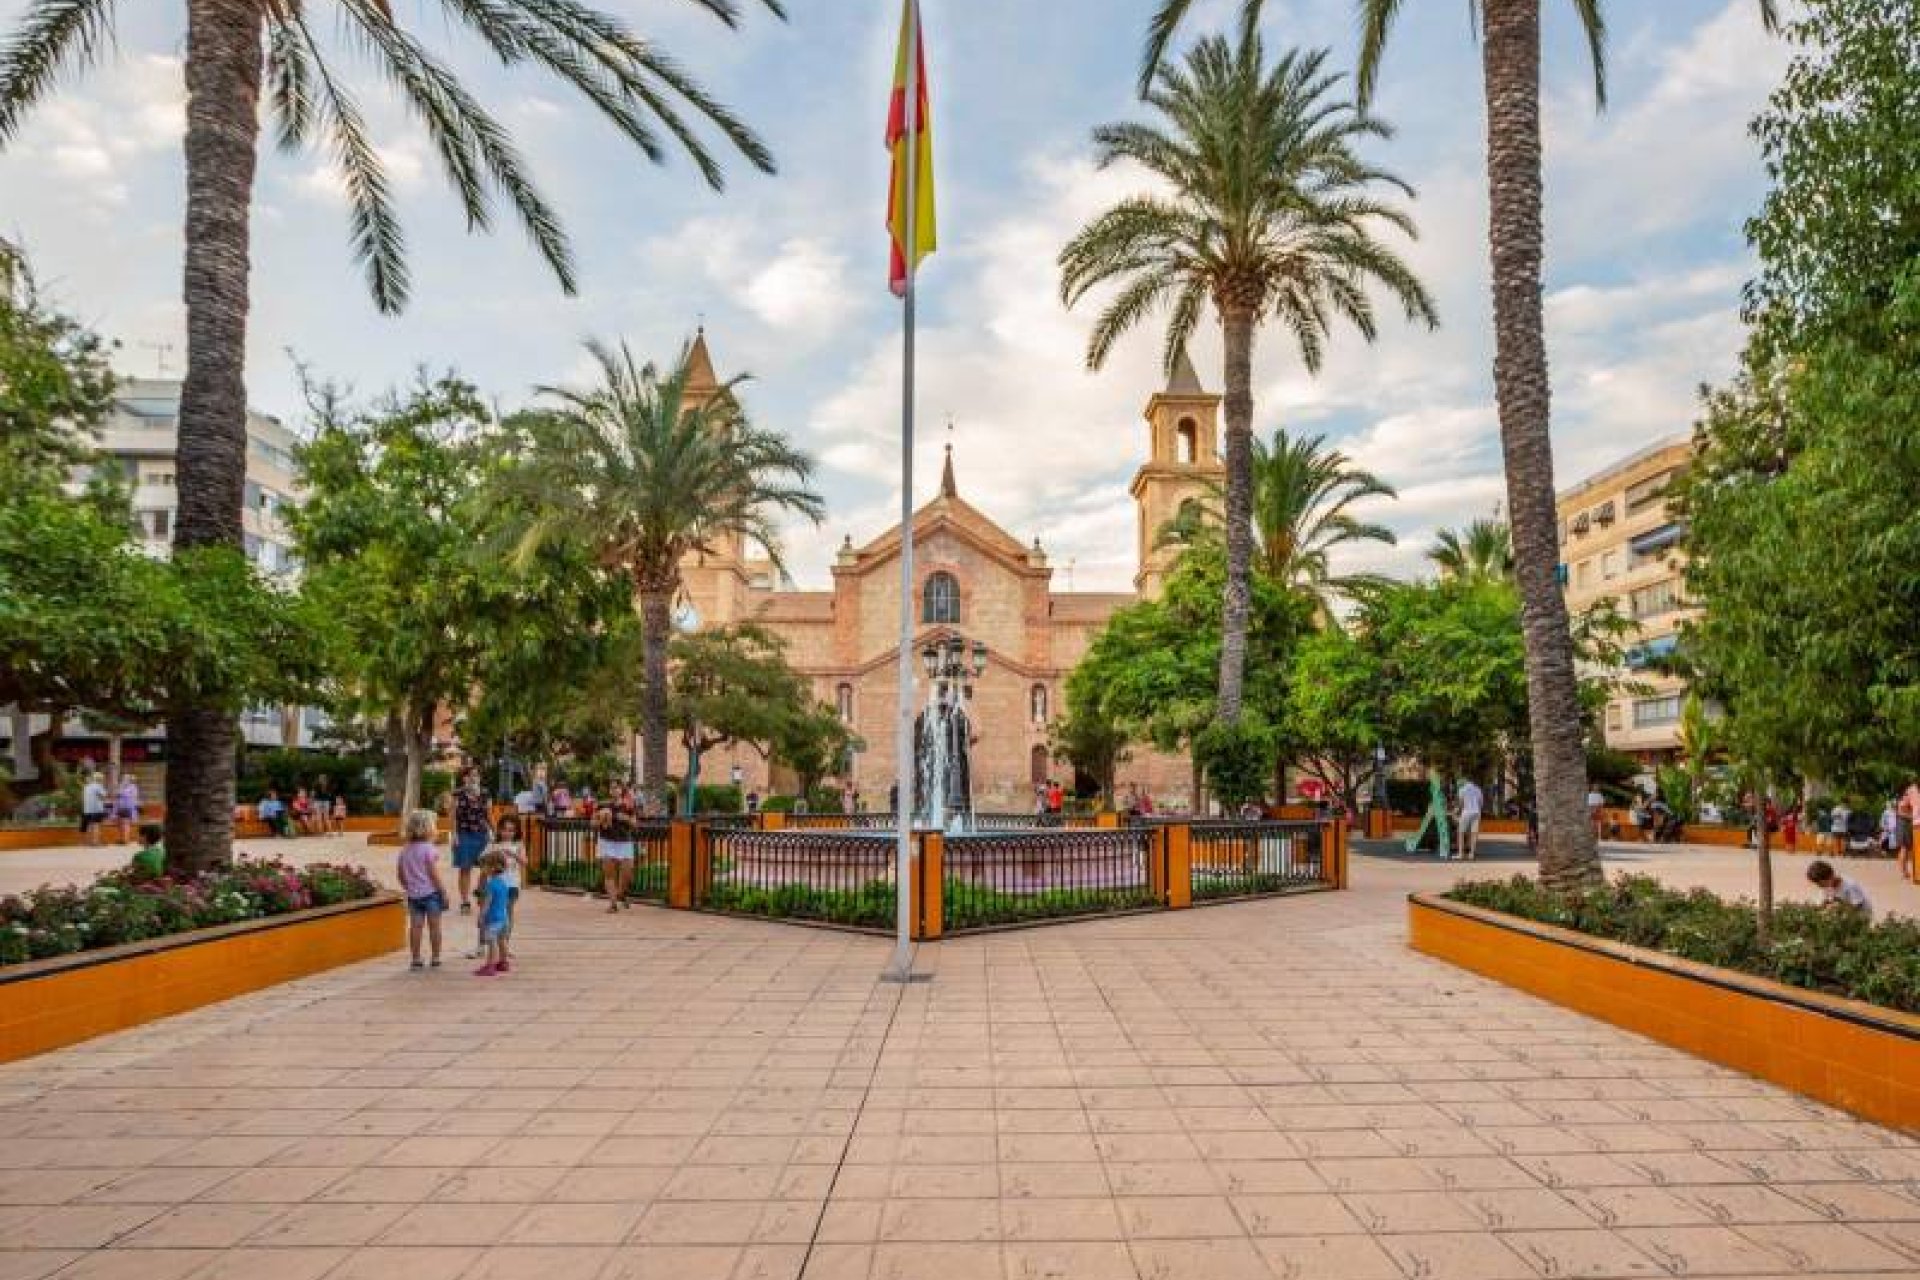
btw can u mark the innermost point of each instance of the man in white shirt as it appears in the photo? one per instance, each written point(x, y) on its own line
point(1472, 803)
point(93, 808)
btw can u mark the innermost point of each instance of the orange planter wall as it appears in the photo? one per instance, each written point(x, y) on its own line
point(50, 1003)
point(1852, 1055)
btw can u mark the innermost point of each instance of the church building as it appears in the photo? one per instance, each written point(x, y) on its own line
point(973, 578)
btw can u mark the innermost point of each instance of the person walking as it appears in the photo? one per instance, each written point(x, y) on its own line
point(126, 806)
point(1839, 818)
point(618, 822)
point(1473, 803)
point(472, 828)
point(1909, 822)
point(93, 809)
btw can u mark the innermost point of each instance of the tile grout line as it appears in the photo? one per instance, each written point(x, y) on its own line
point(846, 1145)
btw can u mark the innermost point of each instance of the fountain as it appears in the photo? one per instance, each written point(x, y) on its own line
point(943, 736)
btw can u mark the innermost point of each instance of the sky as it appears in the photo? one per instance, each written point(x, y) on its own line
point(1645, 258)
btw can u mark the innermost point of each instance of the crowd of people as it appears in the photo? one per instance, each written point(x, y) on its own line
point(490, 862)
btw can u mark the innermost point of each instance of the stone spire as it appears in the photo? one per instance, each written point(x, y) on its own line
point(947, 487)
point(700, 375)
point(1184, 382)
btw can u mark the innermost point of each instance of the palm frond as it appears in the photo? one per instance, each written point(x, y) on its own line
point(54, 35)
point(1376, 24)
point(1593, 23)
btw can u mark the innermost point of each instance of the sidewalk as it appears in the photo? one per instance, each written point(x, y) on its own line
point(1269, 1090)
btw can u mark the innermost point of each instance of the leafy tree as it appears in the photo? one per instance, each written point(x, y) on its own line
point(1809, 642)
point(393, 537)
point(1335, 709)
point(234, 49)
point(1271, 215)
point(1482, 552)
point(1092, 744)
point(639, 474)
point(1151, 671)
point(815, 743)
point(56, 386)
point(733, 684)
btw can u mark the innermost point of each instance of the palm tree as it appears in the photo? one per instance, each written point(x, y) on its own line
point(1303, 495)
point(235, 51)
point(1510, 61)
point(1269, 214)
point(1510, 58)
point(1482, 552)
point(642, 473)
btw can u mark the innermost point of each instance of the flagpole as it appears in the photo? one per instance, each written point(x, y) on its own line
point(900, 967)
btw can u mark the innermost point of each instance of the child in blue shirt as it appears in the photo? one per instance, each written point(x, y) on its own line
point(495, 897)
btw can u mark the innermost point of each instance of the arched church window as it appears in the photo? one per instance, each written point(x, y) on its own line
point(1037, 766)
point(1187, 441)
point(1038, 700)
point(941, 600)
point(843, 702)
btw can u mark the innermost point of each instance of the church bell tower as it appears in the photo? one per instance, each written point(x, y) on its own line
point(1183, 464)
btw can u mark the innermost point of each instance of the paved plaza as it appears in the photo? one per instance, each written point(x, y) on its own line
point(1268, 1090)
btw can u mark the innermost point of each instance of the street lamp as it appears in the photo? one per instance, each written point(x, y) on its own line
point(686, 620)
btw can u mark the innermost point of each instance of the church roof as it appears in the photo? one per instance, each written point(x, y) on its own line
point(1184, 382)
point(948, 508)
point(947, 487)
point(700, 374)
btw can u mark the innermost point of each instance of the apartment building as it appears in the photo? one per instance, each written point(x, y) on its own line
point(141, 437)
point(1619, 540)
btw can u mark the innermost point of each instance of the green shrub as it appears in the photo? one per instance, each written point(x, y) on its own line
point(1819, 948)
point(963, 903)
point(871, 905)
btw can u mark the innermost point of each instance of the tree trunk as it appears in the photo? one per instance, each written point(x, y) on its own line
point(1763, 905)
point(1511, 54)
point(656, 631)
point(24, 769)
point(1234, 606)
point(115, 743)
point(223, 127)
point(418, 733)
point(393, 773)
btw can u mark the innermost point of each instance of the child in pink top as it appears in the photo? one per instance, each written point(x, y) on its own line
point(418, 871)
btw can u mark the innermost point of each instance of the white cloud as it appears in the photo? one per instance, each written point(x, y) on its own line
point(805, 282)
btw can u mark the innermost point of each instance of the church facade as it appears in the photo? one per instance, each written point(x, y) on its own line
point(973, 578)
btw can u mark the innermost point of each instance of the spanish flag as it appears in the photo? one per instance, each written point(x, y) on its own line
point(920, 159)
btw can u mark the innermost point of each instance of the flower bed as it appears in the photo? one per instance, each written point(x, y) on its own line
point(122, 906)
point(1816, 948)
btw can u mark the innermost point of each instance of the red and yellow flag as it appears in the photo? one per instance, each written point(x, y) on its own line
point(924, 239)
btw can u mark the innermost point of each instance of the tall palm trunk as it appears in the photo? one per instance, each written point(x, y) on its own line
point(1511, 54)
point(223, 127)
point(1237, 323)
point(656, 630)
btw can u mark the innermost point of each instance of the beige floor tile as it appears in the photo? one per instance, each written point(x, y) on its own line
point(1264, 1177)
point(607, 1183)
point(1228, 1259)
point(1456, 1256)
point(1703, 1251)
point(943, 1220)
point(1068, 1260)
point(197, 1226)
point(1636, 1207)
point(323, 1224)
point(1345, 1257)
point(574, 1224)
point(1177, 1217)
point(36, 1264)
point(1581, 1255)
point(1827, 1246)
point(1309, 1214)
point(452, 1224)
point(387, 1186)
point(271, 1264)
point(1061, 1219)
point(1411, 1211)
point(125, 1264)
point(697, 1222)
point(541, 1262)
point(947, 1260)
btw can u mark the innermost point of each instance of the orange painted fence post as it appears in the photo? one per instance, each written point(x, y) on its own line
point(1107, 820)
point(929, 876)
point(680, 842)
point(702, 878)
point(1179, 862)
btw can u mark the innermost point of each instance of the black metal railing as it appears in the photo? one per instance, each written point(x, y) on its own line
point(1242, 859)
point(993, 878)
point(836, 877)
point(567, 856)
